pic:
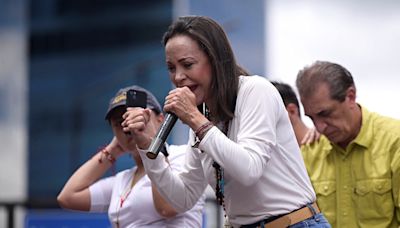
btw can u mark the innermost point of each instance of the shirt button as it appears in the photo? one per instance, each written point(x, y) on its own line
point(326, 188)
point(344, 213)
point(379, 187)
point(345, 187)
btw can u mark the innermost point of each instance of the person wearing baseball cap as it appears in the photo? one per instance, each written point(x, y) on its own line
point(120, 98)
point(129, 197)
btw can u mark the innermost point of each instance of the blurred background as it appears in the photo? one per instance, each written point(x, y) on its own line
point(62, 60)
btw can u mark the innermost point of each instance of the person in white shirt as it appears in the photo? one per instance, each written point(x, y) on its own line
point(130, 198)
point(304, 135)
point(241, 141)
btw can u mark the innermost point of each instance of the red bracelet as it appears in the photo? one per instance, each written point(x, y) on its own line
point(202, 130)
point(107, 155)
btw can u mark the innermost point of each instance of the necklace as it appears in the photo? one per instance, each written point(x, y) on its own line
point(124, 195)
point(219, 171)
point(219, 175)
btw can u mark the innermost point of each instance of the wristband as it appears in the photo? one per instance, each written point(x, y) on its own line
point(106, 155)
point(203, 129)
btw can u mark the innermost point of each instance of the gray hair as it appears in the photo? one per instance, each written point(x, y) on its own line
point(337, 78)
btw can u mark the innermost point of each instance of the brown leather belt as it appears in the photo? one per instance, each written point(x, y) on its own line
point(293, 218)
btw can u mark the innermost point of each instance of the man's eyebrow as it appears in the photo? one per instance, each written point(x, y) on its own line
point(323, 112)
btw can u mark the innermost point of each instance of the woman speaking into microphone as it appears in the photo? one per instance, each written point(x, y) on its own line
point(241, 141)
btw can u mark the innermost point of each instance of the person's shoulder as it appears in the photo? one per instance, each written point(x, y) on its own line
point(381, 123)
point(252, 80)
point(258, 91)
point(255, 82)
point(317, 148)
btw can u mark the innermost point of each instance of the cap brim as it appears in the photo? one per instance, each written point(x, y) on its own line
point(112, 108)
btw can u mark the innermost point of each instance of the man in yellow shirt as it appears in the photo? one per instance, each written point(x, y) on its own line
point(355, 169)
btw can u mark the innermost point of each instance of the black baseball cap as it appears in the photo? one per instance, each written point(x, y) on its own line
point(120, 100)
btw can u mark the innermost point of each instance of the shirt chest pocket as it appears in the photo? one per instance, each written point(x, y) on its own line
point(326, 198)
point(373, 199)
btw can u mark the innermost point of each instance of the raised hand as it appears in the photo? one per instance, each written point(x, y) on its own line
point(115, 148)
point(139, 123)
point(311, 136)
point(182, 102)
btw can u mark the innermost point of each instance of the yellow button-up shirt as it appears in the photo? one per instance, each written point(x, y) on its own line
point(359, 186)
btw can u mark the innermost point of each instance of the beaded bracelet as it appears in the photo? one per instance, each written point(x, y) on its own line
point(202, 130)
point(107, 155)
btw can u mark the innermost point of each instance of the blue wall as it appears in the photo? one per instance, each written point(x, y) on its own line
point(80, 56)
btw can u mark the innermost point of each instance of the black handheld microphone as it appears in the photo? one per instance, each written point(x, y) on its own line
point(158, 142)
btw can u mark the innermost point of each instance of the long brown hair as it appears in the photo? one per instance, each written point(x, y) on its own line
point(212, 39)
